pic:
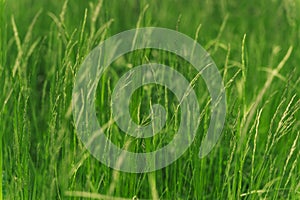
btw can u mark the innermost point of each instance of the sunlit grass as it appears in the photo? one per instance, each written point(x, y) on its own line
point(255, 46)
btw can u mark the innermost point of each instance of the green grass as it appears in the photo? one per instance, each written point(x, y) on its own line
point(255, 45)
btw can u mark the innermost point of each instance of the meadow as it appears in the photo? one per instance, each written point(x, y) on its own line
point(255, 45)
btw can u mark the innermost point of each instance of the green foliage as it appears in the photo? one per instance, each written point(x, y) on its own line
point(255, 44)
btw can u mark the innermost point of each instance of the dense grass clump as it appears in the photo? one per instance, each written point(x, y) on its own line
point(255, 45)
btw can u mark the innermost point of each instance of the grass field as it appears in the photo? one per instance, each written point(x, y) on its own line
point(256, 46)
